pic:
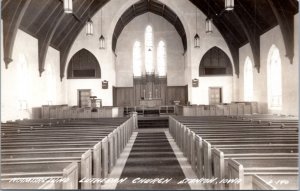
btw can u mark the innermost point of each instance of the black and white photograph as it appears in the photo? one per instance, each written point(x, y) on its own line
point(149, 94)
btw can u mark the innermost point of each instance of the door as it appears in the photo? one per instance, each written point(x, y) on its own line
point(84, 99)
point(215, 95)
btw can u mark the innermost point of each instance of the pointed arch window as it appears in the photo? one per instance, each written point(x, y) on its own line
point(137, 59)
point(274, 79)
point(161, 59)
point(149, 50)
point(248, 80)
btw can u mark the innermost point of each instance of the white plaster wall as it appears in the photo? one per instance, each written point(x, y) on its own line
point(162, 30)
point(106, 58)
point(201, 93)
point(88, 84)
point(37, 86)
point(187, 14)
point(290, 76)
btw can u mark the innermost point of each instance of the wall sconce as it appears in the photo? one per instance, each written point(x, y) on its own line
point(104, 84)
point(195, 83)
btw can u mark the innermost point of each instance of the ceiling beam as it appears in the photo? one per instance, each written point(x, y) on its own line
point(49, 16)
point(66, 25)
point(45, 38)
point(64, 52)
point(70, 31)
point(250, 17)
point(39, 13)
point(163, 10)
point(285, 20)
point(4, 3)
point(66, 46)
point(252, 33)
point(12, 16)
point(222, 22)
point(134, 11)
point(232, 45)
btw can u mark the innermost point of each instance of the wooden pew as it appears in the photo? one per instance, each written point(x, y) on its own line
point(220, 159)
point(84, 160)
point(284, 181)
point(65, 170)
point(182, 135)
point(118, 139)
point(244, 169)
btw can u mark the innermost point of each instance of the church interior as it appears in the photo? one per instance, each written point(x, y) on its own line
point(150, 94)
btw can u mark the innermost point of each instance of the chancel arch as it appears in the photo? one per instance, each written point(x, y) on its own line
point(154, 96)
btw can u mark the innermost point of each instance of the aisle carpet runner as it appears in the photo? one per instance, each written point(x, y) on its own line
point(152, 165)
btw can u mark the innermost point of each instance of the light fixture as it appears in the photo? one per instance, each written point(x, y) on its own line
point(196, 37)
point(229, 5)
point(68, 6)
point(89, 27)
point(101, 39)
point(197, 41)
point(208, 25)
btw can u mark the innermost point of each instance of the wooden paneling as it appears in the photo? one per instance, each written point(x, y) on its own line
point(123, 96)
point(150, 87)
point(176, 93)
point(131, 96)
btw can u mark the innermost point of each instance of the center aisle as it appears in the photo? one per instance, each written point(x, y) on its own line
point(152, 159)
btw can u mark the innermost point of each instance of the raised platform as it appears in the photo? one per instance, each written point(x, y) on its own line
point(151, 111)
point(153, 122)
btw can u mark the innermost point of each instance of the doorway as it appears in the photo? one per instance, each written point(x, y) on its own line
point(84, 99)
point(215, 95)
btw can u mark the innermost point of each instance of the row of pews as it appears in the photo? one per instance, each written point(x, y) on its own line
point(234, 108)
point(38, 154)
point(75, 112)
point(240, 152)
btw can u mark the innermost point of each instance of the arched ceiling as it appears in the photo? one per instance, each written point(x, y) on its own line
point(45, 20)
point(249, 20)
point(153, 6)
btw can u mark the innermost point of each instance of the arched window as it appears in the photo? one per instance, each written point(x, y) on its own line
point(248, 80)
point(161, 59)
point(274, 79)
point(137, 59)
point(149, 50)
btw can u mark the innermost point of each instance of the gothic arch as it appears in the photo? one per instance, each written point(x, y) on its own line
point(83, 64)
point(215, 62)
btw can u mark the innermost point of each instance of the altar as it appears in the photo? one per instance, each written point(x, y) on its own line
point(151, 102)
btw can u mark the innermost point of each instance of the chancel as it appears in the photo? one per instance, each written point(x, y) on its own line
point(149, 94)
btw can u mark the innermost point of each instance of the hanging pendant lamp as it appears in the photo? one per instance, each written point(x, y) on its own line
point(229, 5)
point(68, 6)
point(101, 39)
point(208, 25)
point(89, 27)
point(196, 37)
